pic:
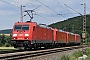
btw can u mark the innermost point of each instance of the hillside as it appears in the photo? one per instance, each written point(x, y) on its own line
point(74, 25)
point(7, 31)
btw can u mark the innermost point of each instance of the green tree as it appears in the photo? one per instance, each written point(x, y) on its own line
point(2, 40)
point(5, 40)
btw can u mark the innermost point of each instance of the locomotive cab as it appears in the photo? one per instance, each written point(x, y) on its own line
point(22, 34)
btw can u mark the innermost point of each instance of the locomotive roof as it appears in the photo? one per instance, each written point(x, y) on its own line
point(24, 22)
point(44, 26)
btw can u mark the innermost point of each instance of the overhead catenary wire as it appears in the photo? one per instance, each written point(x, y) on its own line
point(33, 4)
point(63, 8)
point(73, 10)
point(38, 13)
point(68, 13)
point(24, 9)
point(46, 6)
point(16, 5)
point(49, 8)
point(59, 4)
point(10, 4)
point(36, 7)
point(44, 17)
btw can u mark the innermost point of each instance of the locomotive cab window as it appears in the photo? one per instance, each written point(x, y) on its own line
point(25, 27)
point(17, 27)
point(21, 27)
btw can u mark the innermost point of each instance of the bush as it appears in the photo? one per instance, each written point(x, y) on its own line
point(5, 40)
point(88, 51)
point(7, 44)
point(74, 56)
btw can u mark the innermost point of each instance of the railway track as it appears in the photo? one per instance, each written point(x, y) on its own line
point(11, 51)
point(15, 51)
point(26, 54)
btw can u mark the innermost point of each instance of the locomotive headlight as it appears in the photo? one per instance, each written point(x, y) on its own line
point(14, 38)
point(27, 38)
point(26, 34)
point(14, 35)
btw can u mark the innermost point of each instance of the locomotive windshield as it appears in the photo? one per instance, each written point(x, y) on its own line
point(21, 27)
point(25, 27)
point(17, 27)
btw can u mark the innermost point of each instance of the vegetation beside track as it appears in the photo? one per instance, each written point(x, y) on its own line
point(7, 49)
point(76, 55)
point(5, 41)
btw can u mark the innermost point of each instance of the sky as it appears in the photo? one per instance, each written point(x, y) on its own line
point(45, 11)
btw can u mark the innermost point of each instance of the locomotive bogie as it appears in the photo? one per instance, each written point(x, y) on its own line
point(20, 43)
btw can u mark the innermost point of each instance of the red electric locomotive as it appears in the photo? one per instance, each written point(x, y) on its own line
point(27, 35)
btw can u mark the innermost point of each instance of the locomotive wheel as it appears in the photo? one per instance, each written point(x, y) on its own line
point(47, 46)
point(21, 48)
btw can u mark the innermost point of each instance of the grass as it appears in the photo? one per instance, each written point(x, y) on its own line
point(88, 58)
point(74, 56)
point(7, 48)
point(88, 54)
point(88, 51)
point(65, 57)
